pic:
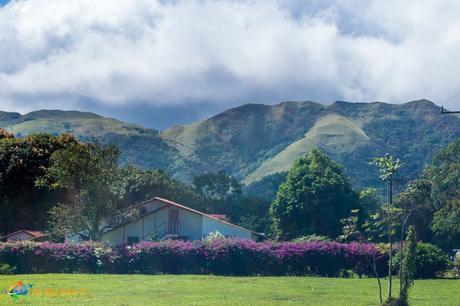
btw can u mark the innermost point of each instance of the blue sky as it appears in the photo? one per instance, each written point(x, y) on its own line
point(166, 62)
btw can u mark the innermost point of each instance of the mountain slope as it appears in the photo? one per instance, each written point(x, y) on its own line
point(332, 132)
point(254, 140)
point(144, 147)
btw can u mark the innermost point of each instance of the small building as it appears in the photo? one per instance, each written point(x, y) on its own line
point(164, 219)
point(22, 235)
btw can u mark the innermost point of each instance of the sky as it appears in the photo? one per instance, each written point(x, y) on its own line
point(165, 62)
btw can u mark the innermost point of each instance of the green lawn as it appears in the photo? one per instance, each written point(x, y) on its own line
point(214, 290)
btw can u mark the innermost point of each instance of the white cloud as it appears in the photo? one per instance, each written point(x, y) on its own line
point(54, 53)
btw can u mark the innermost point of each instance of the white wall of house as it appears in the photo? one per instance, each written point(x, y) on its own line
point(133, 230)
point(192, 225)
point(139, 228)
point(210, 225)
point(114, 236)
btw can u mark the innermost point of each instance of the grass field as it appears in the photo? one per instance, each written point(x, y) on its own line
point(81, 289)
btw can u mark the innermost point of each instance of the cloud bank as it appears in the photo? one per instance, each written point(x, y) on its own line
point(62, 53)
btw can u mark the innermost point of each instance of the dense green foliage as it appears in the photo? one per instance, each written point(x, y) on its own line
point(136, 185)
point(444, 175)
point(314, 198)
point(267, 187)
point(89, 173)
point(432, 200)
point(429, 261)
point(22, 162)
point(221, 191)
point(408, 266)
point(416, 199)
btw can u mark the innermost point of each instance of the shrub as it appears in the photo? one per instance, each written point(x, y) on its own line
point(430, 261)
point(457, 264)
point(6, 269)
point(312, 238)
point(46, 257)
point(216, 256)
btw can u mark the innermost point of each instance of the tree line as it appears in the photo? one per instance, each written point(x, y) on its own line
point(65, 186)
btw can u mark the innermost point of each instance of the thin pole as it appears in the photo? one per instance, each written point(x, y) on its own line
point(390, 261)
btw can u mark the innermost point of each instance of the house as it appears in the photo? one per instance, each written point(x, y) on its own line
point(24, 235)
point(162, 219)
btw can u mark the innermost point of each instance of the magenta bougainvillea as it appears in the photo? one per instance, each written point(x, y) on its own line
point(220, 256)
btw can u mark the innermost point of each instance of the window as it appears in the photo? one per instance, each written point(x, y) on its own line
point(133, 239)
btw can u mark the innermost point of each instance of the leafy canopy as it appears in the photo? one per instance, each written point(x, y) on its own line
point(388, 166)
point(89, 172)
point(314, 198)
point(444, 175)
point(22, 162)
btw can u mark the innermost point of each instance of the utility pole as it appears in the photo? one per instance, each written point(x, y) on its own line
point(444, 111)
point(390, 180)
point(388, 167)
point(390, 228)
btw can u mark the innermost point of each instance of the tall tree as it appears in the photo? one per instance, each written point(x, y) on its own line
point(445, 179)
point(89, 172)
point(314, 198)
point(22, 161)
point(137, 185)
point(416, 207)
point(220, 191)
point(389, 167)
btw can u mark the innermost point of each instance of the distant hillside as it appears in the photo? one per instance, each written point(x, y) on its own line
point(254, 140)
point(138, 145)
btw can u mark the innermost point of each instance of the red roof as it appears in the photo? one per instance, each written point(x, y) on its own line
point(218, 216)
point(35, 234)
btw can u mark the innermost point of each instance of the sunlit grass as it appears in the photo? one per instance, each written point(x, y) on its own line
point(82, 289)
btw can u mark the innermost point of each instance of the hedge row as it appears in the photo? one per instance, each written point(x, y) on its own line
point(220, 256)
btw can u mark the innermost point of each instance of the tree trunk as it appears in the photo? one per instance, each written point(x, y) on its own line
point(376, 273)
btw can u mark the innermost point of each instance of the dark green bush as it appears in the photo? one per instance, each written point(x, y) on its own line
point(430, 261)
point(6, 269)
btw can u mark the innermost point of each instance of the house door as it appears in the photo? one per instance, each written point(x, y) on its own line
point(173, 221)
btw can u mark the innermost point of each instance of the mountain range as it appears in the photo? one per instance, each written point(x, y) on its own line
point(255, 140)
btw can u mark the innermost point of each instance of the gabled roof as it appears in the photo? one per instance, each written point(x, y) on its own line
point(35, 234)
point(199, 213)
point(218, 216)
point(172, 203)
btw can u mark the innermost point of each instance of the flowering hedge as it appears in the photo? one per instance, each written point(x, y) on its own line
point(220, 256)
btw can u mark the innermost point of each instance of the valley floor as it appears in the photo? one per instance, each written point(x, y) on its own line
point(83, 289)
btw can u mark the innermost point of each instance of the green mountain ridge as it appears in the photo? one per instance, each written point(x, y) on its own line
point(255, 140)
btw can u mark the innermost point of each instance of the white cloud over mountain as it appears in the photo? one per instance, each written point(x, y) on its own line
point(58, 53)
